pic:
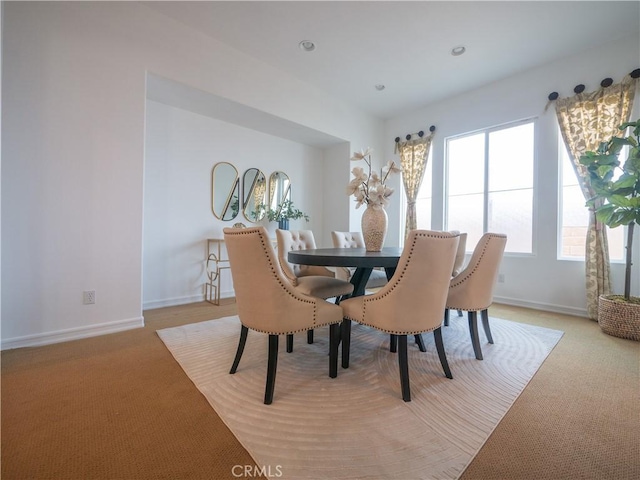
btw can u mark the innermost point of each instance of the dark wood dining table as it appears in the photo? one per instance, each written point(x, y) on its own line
point(363, 261)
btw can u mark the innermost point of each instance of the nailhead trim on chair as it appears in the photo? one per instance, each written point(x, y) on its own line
point(469, 274)
point(286, 287)
point(393, 286)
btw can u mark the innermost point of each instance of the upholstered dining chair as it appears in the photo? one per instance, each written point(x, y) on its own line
point(316, 281)
point(411, 302)
point(472, 289)
point(377, 278)
point(268, 303)
point(457, 265)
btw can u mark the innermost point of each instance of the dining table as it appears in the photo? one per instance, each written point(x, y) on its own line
point(364, 262)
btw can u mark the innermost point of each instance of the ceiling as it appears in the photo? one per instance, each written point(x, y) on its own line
point(406, 45)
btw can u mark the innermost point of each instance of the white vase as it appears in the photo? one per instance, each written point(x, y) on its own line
point(374, 228)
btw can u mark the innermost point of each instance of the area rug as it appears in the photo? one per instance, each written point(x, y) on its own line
point(356, 426)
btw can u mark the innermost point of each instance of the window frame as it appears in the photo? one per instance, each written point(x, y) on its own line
point(485, 207)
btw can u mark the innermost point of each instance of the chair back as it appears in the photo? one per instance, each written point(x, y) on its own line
point(289, 240)
point(413, 301)
point(472, 289)
point(347, 239)
point(460, 254)
point(265, 298)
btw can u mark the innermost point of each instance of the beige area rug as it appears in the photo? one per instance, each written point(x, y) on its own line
point(356, 426)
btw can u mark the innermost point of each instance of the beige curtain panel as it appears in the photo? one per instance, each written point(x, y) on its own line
point(414, 155)
point(586, 120)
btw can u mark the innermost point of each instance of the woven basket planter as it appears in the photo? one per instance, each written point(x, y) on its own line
point(620, 319)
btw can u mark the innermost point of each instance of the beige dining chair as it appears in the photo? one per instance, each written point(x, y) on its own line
point(472, 289)
point(412, 302)
point(457, 265)
point(378, 276)
point(316, 281)
point(268, 303)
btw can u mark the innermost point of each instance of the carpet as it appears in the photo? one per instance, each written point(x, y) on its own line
point(356, 425)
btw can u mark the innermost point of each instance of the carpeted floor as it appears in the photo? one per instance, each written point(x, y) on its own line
point(120, 407)
point(357, 426)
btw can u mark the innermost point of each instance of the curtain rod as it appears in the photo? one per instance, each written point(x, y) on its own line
point(604, 83)
point(420, 134)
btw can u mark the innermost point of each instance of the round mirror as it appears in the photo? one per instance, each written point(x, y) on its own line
point(279, 189)
point(225, 191)
point(254, 194)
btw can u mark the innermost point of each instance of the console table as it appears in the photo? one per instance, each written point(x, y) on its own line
point(215, 265)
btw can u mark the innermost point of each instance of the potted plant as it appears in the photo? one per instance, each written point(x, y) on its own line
point(281, 214)
point(617, 202)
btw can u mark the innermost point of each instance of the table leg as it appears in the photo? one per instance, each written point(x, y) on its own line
point(389, 272)
point(359, 280)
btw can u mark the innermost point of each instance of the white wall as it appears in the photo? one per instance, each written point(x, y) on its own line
point(538, 281)
point(180, 151)
point(73, 150)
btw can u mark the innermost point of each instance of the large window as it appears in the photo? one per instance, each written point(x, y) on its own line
point(574, 217)
point(490, 185)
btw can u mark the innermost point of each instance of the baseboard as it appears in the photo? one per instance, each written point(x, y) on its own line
point(547, 307)
point(172, 302)
point(71, 334)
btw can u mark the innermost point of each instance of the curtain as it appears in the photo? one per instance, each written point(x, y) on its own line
point(586, 120)
point(414, 155)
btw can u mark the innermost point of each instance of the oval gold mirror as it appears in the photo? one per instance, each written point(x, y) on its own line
point(225, 191)
point(254, 194)
point(279, 189)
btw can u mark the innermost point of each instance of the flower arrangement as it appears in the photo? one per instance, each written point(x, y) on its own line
point(371, 188)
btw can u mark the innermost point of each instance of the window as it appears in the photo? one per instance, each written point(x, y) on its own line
point(424, 198)
point(574, 216)
point(490, 185)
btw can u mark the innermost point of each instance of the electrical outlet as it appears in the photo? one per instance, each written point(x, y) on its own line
point(501, 278)
point(89, 297)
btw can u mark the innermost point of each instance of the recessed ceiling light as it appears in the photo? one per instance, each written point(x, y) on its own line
point(380, 87)
point(307, 45)
point(457, 51)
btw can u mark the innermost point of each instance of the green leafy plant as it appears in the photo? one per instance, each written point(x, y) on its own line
point(617, 200)
point(284, 211)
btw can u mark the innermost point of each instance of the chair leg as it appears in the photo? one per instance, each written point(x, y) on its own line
point(485, 323)
point(271, 369)
point(473, 330)
point(420, 342)
point(403, 364)
point(243, 339)
point(437, 334)
point(345, 329)
point(334, 341)
point(393, 343)
point(289, 343)
point(446, 317)
point(309, 336)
